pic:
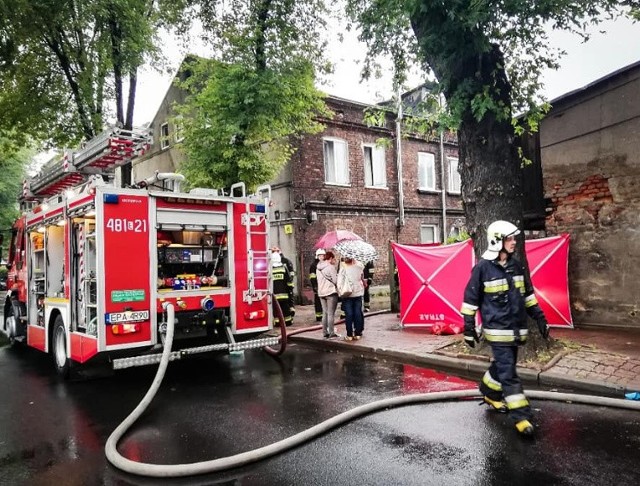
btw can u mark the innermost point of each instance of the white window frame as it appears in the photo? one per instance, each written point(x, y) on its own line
point(178, 126)
point(375, 169)
point(454, 176)
point(164, 137)
point(436, 233)
point(425, 159)
point(340, 169)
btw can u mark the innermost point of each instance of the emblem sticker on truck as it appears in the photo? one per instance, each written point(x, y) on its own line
point(127, 316)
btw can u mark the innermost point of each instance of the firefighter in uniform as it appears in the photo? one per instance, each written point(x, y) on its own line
point(280, 276)
point(501, 290)
point(314, 283)
point(290, 282)
point(368, 277)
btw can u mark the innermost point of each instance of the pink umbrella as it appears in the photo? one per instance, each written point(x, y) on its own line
point(330, 238)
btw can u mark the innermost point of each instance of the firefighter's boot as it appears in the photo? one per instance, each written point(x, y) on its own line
point(497, 405)
point(525, 427)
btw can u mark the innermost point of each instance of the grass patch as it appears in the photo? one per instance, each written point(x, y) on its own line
point(527, 356)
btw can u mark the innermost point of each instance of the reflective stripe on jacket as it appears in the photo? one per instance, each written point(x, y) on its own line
point(280, 277)
point(504, 296)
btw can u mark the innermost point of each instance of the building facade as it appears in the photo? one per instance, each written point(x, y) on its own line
point(589, 147)
point(363, 179)
point(350, 176)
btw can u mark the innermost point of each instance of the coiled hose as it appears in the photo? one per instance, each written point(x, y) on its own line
point(244, 458)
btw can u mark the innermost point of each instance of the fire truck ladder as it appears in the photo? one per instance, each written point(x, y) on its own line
point(258, 260)
point(100, 155)
point(112, 148)
point(54, 178)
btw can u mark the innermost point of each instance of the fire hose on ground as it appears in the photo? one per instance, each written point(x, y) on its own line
point(261, 453)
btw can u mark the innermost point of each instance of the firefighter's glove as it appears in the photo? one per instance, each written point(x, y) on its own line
point(470, 335)
point(543, 327)
point(471, 338)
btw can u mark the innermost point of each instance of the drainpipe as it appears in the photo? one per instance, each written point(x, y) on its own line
point(444, 192)
point(399, 162)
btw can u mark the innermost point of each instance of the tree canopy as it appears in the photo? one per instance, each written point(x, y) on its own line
point(63, 61)
point(13, 165)
point(245, 107)
point(488, 57)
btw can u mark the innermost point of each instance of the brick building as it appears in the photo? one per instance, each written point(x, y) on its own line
point(589, 146)
point(346, 177)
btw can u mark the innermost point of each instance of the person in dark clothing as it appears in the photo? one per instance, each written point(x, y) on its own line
point(501, 290)
point(291, 279)
point(320, 253)
point(280, 277)
point(369, 270)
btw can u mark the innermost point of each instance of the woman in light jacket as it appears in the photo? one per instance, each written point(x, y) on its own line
point(327, 278)
point(352, 305)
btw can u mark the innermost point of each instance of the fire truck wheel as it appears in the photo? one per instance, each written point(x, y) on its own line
point(59, 348)
point(10, 324)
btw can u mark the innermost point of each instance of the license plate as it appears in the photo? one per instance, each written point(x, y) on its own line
point(127, 316)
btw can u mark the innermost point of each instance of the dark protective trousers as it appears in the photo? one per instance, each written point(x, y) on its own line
point(317, 305)
point(501, 382)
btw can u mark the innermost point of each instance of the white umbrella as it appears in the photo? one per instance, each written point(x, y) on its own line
point(357, 249)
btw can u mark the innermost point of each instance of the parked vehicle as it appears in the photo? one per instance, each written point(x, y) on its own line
point(95, 265)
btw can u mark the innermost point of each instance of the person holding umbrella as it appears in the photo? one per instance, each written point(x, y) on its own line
point(328, 292)
point(351, 274)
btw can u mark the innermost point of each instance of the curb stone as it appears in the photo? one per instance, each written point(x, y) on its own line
point(472, 368)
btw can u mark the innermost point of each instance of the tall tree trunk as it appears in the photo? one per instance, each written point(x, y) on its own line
point(490, 167)
point(126, 171)
point(264, 10)
point(116, 57)
point(65, 64)
point(131, 100)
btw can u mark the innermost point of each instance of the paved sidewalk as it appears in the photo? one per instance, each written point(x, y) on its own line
point(604, 361)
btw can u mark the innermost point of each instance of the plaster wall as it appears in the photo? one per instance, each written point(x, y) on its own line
point(589, 149)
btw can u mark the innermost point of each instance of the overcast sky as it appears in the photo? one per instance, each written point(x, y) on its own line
point(613, 45)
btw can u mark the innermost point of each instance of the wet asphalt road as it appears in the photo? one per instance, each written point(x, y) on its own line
point(54, 433)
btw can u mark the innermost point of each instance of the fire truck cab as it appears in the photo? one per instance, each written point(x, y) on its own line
point(92, 266)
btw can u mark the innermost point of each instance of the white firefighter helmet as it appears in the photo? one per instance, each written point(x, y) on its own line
point(319, 252)
point(276, 259)
point(496, 232)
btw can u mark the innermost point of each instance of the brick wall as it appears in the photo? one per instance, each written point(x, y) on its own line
point(369, 212)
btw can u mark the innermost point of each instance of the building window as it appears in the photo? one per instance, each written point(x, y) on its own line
point(375, 167)
point(429, 233)
point(336, 164)
point(179, 129)
point(164, 136)
point(426, 171)
point(454, 176)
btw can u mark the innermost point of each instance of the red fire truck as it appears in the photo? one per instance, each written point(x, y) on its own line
point(93, 265)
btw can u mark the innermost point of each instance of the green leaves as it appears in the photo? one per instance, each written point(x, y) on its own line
point(488, 56)
point(63, 61)
point(246, 108)
point(239, 122)
point(13, 165)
